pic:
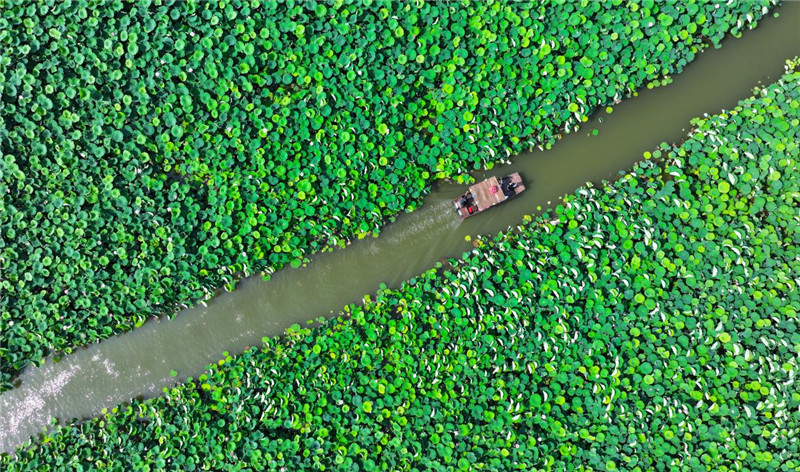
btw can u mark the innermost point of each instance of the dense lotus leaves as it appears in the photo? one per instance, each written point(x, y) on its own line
point(154, 151)
point(650, 324)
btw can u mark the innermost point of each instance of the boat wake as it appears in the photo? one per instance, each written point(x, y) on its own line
point(438, 218)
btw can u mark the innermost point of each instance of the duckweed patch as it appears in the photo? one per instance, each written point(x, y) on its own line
point(156, 151)
point(650, 324)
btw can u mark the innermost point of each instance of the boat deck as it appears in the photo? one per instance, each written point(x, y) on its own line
point(484, 198)
point(488, 193)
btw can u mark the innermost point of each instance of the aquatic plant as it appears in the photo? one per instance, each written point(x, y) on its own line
point(156, 151)
point(650, 324)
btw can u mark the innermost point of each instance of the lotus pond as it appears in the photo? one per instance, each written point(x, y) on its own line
point(165, 351)
point(647, 325)
point(154, 151)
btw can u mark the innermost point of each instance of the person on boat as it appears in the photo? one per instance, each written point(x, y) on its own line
point(508, 186)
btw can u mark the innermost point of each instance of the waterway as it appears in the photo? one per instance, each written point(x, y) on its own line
point(139, 363)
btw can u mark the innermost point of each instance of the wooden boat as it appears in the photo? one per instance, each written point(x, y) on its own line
point(484, 195)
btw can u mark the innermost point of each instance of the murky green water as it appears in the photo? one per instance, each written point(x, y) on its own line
point(139, 363)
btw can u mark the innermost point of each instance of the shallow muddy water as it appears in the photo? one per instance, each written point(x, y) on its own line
point(139, 363)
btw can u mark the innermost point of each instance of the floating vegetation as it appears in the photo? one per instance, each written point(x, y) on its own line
point(154, 152)
point(650, 324)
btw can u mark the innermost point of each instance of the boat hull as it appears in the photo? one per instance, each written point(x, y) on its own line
point(487, 194)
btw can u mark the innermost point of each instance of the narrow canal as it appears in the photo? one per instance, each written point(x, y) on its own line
point(139, 363)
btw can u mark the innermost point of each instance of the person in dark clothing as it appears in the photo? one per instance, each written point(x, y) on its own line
point(508, 186)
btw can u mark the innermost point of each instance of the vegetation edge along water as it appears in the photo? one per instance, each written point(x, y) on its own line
point(155, 151)
point(650, 324)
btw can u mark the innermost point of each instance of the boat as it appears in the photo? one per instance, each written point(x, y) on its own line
point(484, 195)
